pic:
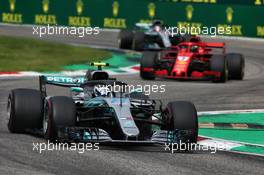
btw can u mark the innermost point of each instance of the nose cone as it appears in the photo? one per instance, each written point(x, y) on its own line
point(181, 65)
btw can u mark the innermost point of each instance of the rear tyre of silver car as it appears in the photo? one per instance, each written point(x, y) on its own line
point(125, 39)
point(138, 43)
point(24, 109)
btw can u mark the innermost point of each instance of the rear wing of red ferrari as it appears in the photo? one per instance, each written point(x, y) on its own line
point(215, 45)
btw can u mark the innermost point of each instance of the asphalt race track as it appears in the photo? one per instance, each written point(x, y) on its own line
point(17, 156)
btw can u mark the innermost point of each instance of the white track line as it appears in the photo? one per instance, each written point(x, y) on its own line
point(230, 144)
point(231, 112)
point(227, 145)
point(234, 142)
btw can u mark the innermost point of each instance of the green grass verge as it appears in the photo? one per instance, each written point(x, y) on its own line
point(249, 149)
point(248, 136)
point(21, 54)
point(255, 118)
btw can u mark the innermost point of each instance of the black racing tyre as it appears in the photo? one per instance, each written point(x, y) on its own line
point(148, 61)
point(25, 109)
point(182, 115)
point(125, 39)
point(138, 41)
point(59, 111)
point(218, 63)
point(236, 66)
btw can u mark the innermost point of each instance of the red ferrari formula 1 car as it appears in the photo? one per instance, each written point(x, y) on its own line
point(193, 60)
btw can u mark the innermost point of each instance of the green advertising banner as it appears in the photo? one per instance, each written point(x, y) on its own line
point(228, 2)
point(245, 20)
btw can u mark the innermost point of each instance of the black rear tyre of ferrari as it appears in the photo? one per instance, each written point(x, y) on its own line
point(218, 63)
point(148, 61)
point(236, 66)
point(59, 111)
point(25, 109)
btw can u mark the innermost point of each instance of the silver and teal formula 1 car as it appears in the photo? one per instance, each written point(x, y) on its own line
point(96, 113)
point(149, 37)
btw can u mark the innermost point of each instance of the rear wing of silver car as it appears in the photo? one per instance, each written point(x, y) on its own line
point(62, 81)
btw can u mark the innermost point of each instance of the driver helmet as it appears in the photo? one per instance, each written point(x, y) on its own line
point(194, 48)
point(157, 23)
point(102, 91)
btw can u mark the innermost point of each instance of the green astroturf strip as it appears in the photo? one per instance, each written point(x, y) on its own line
point(256, 118)
point(249, 149)
point(116, 62)
point(254, 137)
point(22, 54)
